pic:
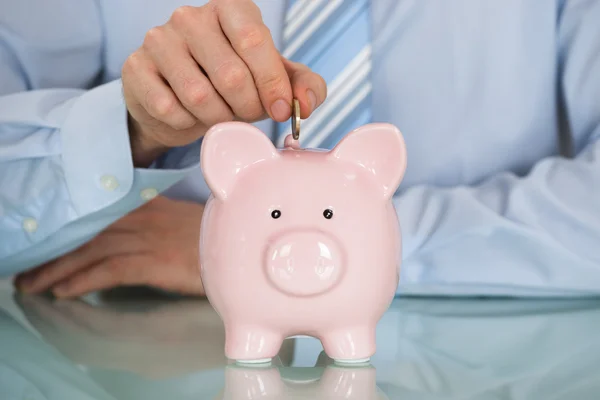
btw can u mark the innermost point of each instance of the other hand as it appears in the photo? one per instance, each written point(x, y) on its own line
point(155, 245)
point(207, 65)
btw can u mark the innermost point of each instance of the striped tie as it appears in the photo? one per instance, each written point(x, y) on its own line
point(332, 37)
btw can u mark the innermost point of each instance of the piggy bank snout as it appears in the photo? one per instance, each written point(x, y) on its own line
point(304, 263)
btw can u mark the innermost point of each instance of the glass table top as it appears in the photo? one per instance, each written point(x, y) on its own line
point(135, 344)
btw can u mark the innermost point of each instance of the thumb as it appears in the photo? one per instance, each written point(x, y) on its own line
point(308, 87)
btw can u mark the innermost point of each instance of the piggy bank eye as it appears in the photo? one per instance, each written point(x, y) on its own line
point(275, 214)
point(328, 214)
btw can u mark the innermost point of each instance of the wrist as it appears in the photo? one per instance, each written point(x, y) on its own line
point(144, 150)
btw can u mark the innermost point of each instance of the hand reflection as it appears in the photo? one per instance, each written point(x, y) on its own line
point(327, 382)
point(166, 340)
point(427, 349)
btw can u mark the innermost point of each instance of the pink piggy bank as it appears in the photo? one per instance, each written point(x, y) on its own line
point(300, 241)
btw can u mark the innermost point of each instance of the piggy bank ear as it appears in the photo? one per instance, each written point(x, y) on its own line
point(227, 149)
point(379, 149)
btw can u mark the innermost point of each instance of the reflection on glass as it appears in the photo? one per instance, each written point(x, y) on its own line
point(301, 383)
point(427, 349)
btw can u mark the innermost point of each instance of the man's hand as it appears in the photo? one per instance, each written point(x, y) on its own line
point(207, 65)
point(155, 245)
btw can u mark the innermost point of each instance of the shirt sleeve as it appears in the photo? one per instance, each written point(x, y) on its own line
point(66, 170)
point(536, 235)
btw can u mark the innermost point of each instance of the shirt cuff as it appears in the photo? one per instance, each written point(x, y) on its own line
point(96, 150)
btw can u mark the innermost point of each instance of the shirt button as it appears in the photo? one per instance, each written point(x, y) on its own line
point(109, 182)
point(149, 193)
point(30, 225)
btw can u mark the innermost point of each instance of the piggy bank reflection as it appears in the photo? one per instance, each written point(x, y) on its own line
point(300, 241)
point(314, 383)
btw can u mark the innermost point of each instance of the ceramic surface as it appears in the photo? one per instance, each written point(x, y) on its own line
point(301, 241)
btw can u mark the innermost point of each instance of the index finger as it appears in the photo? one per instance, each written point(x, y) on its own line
point(242, 23)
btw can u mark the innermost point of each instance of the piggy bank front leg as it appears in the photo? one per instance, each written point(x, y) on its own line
point(250, 344)
point(350, 345)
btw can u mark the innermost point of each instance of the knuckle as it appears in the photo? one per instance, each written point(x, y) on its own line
point(251, 111)
point(132, 63)
point(127, 67)
point(231, 76)
point(196, 96)
point(153, 37)
point(219, 5)
point(44, 275)
point(272, 85)
point(114, 269)
point(183, 122)
point(183, 16)
point(185, 79)
point(160, 107)
point(210, 11)
point(252, 37)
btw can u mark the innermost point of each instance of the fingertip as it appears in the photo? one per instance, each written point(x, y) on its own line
point(21, 290)
point(306, 109)
point(26, 284)
point(17, 281)
point(309, 91)
point(312, 99)
point(25, 289)
point(281, 110)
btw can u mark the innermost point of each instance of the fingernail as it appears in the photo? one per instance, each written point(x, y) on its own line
point(280, 110)
point(312, 99)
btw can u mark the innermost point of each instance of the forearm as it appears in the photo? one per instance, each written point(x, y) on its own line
point(532, 235)
point(65, 157)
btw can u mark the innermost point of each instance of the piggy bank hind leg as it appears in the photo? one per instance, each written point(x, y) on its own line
point(350, 345)
point(251, 345)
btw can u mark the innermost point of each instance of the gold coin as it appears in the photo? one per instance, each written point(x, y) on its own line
point(295, 119)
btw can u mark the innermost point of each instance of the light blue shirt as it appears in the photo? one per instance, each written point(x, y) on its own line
point(499, 103)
